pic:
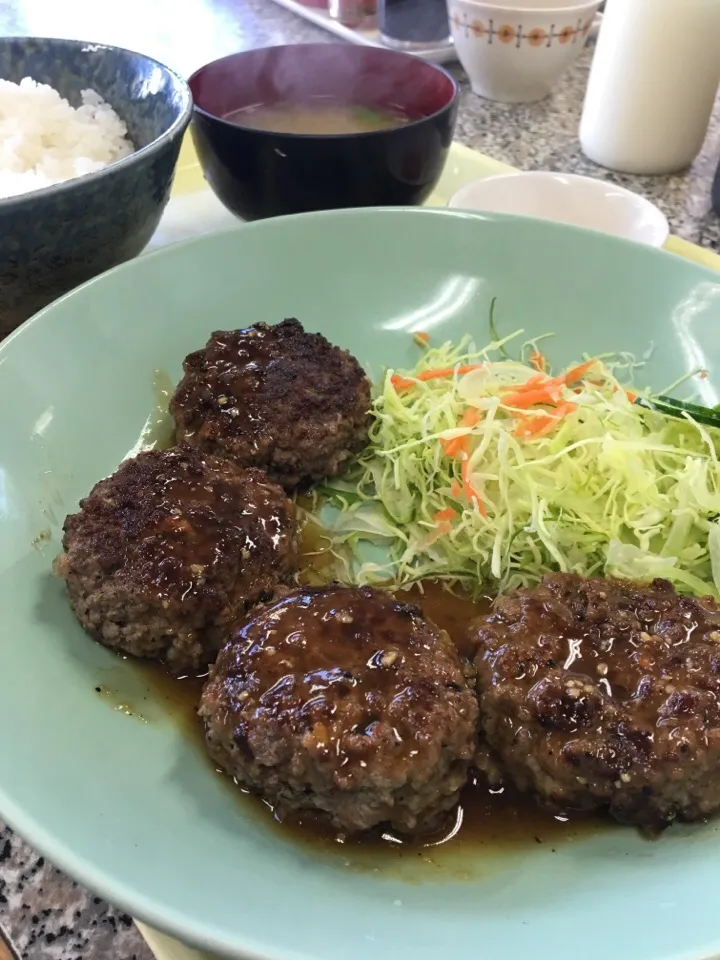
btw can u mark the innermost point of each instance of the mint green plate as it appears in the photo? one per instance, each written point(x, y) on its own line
point(129, 806)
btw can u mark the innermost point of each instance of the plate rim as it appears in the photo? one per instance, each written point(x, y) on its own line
point(349, 213)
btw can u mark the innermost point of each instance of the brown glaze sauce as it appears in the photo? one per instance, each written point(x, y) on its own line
point(235, 360)
point(230, 384)
point(184, 522)
point(487, 821)
point(393, 666)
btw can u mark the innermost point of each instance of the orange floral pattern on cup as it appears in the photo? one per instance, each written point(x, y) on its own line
point(534, 36)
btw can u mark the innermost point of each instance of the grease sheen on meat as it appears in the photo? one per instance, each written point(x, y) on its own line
point(274, 397)
point(165, 554)
point(604, 694)
point(346, 701)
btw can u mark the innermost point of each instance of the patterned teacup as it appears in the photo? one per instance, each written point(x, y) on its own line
point(516, 52)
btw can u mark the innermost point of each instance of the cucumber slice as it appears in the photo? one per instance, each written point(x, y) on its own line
point(708, 416)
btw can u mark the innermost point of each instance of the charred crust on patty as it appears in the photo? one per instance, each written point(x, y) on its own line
point(346, 702)
point(603, 694)
point(169, 551)
point(277, 398)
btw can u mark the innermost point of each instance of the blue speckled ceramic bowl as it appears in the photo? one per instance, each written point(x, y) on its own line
point(53, 239)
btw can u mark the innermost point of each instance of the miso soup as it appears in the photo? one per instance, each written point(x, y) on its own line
point(319, 116)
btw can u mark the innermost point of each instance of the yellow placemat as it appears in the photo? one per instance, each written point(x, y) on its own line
point(193, 209)
point(691, 251)
point(188, 174)
point(165, 948)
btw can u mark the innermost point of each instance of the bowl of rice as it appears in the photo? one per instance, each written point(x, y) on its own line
point(89, 140)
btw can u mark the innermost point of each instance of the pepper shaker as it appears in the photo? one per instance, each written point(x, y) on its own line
point(414, 24)
point(652, 84)
point(716, 192)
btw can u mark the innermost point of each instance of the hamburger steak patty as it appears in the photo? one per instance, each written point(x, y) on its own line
point(604, 694)
point(274, 397)
point(165, 554)
point(346, 701)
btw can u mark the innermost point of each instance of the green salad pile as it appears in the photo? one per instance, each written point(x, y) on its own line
point(492, 472)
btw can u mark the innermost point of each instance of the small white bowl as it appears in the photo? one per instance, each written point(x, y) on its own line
point(567, 198)
point(515, 52)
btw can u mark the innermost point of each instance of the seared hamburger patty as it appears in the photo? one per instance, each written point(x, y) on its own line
point(276, 398)
point(604, 694)
point(165, 554)
point(345, 701)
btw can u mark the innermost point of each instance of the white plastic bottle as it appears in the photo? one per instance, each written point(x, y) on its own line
point(652, 84)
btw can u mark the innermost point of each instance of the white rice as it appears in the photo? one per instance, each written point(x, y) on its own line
point(43, 140)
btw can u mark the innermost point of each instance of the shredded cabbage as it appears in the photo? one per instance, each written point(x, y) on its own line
point(611, 488)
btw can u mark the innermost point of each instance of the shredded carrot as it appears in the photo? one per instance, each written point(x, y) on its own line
point(468, 489)
point(564, 409)
point(530, 426)
point(631, 396)
point(443, 525)
point(536, 383)
point(538, 361)
point(548, 393)
point(439, 531)
point(539, 426)
point(457, 445)
point(545, 390)
point(421, 339)
point(530, 384)
point(448, 372)
point(577, 373)
point(471, 417)
point(403, 383)
point(454, 447)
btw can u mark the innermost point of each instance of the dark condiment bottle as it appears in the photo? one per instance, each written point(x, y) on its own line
point(408, 24)
point(715, 194)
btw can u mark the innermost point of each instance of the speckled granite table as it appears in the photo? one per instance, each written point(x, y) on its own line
point(43, 913)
